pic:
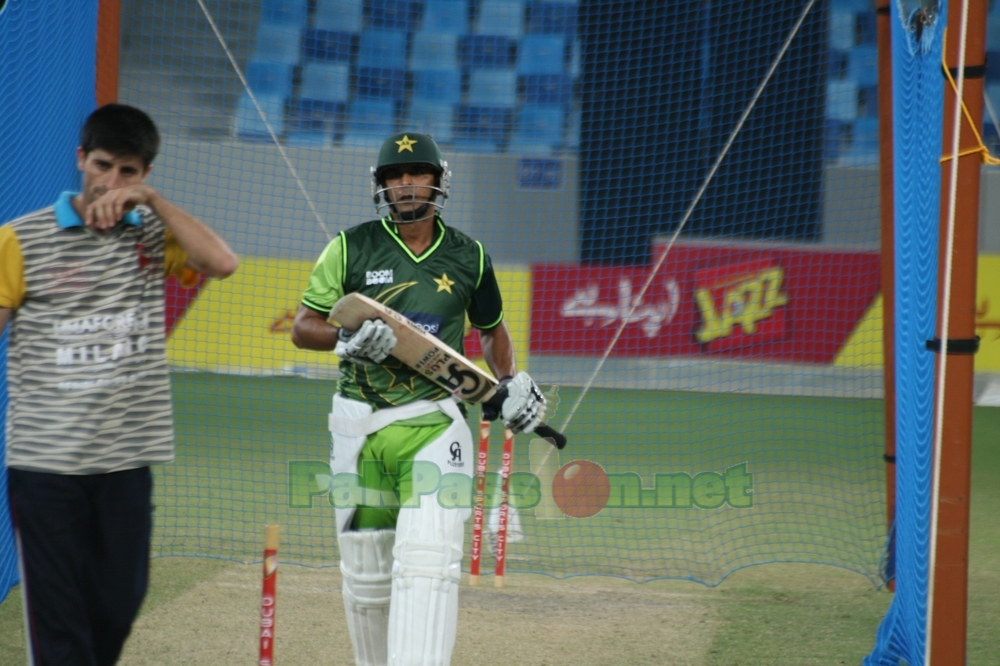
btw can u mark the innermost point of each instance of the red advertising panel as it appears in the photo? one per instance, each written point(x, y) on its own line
point(772, 304)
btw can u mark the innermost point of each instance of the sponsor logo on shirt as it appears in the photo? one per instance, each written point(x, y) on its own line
point(429, 322)
point(378, 277)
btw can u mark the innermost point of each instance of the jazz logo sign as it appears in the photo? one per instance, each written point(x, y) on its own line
point(740, 304)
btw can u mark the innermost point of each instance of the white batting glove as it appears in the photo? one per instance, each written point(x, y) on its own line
point(524, 408)
point(370, 344)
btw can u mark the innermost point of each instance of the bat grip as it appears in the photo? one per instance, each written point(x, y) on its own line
point(557, 439)
point(548, 432)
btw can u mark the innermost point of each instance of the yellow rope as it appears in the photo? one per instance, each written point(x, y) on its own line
point(988, 159)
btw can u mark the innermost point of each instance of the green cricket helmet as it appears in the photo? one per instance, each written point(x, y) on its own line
point(410, 148)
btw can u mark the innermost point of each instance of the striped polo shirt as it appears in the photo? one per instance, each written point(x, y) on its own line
point(86, 364)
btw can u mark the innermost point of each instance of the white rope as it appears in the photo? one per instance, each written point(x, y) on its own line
point(690, 210)
point(263, 117)
point(945, 319)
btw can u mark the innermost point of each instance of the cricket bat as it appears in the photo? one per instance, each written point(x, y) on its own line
point(431, 357)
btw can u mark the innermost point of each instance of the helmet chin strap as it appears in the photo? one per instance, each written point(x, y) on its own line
point(418, 215)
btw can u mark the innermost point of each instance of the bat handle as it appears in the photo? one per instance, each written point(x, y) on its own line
point(557, 439)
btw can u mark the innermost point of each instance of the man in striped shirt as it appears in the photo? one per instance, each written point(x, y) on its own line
point(82, 284)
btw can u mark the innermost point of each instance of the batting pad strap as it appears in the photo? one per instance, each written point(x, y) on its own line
point(428, 560)
point(366, 566)
point(377, 420)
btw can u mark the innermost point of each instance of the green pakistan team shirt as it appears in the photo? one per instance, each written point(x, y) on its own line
point(436, 290)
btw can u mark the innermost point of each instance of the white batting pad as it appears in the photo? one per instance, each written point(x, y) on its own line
point(423, 619)
point(366, 566)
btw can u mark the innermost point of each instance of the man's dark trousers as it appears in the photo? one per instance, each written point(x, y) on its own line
point(84, 542)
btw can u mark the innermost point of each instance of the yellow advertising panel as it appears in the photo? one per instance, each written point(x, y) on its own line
point(243, 324)
point(864, 347)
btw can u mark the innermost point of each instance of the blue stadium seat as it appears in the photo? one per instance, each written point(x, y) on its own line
point(865, 27)
point(837, 63)
point(552, 18)
point(369, 121)
point(339, 15)
point(247, 123)
point(538, 130)
point(862, 65)
point(278, 43)
point(548, 89)
point(394, 14)
point(382, 48)
point(500, 17)
point(836, 138)
point(486, 51)
point(842, 100)
point(270, 78)
point(434, 51)
point(572, 133)
point(541, 54)
point(840, 28)
point(327, 81)
point(864, 143)
point(993, 30)
point(313, 122)
point(432, 118)
point(868, 102)
point(381, 83)
point(437, 86)
point(575, 59)
point(992, 67)
point(480, 128)
point(284, 12)
point(328, 45)
point(446, 17)
point(493, 87)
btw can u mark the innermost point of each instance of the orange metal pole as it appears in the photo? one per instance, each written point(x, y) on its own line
point(887, 200)
point(108, 33)
point(950, 610)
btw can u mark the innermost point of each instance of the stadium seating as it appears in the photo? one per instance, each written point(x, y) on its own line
point(381, 83)
point(284, 12)
point(313, 122)
point(548, 89)
point(446, 17)
point(399, 15)
point(325, 81)
point(369, 121)
point(480, 128)
point(519, 63)
point(382, 48)
point(552, 18)
point(339, 15)
point(267, 78)
point(432, 50)
point(434, 118)
point(249, 126)
point(500, 17)
point(329, 45)
point(493, 87)
point(538, 130)
point(486, 51)
point(541, 54)
point(436, 86)
point(278, 43)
